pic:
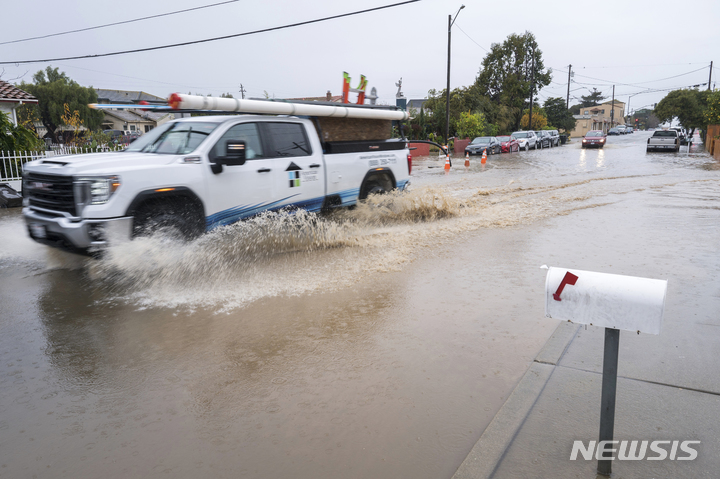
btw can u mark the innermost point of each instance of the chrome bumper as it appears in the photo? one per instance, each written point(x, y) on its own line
point(76, 234)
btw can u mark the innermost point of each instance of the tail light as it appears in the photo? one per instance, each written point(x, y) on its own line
point(409, 158)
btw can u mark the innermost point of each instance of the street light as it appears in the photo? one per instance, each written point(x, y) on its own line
point(451, 20)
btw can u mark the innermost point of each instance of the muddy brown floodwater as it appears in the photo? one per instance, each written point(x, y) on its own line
point(374, 343)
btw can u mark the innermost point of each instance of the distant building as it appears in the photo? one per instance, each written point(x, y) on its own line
point(12, 97)
point(124, 97)
point(416, 104)
point(132, 120)
point(598, 118)
point(328, 97)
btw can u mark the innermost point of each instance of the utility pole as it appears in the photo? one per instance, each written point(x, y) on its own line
point(612, 110)
point(710, 77)
point(567, 102)
point(447, 90)
point(242, 91)
point(532, 83)
point(447, 96)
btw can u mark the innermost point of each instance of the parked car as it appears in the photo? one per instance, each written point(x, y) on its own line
point(621, 129)
point(613, 131)
point(508, 144)
point(594, 139)
point(543, 139)
point(526, 139)
point(484, 143)
point(682, 134)
point(554, 137)
point(629, 129)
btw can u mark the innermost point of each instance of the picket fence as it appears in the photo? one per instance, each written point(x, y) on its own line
point(11, 162)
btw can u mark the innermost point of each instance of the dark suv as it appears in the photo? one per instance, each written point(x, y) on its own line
point(554, 137)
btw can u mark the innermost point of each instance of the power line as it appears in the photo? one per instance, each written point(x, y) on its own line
point(655, 65)
point(640, 83)
point(118, 23)
point(138, 50)
point(471, 38)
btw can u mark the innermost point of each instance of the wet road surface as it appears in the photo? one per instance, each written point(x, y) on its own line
point(377, 342)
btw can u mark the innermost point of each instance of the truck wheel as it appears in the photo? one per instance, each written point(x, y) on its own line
point(527, 146)
point(376, 184)
point(178, 219)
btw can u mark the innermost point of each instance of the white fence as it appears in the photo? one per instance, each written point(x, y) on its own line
point(11, 162)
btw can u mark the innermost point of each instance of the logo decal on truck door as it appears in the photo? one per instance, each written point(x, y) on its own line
point(294, 177)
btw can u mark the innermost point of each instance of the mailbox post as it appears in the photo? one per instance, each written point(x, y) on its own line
point(614, 302)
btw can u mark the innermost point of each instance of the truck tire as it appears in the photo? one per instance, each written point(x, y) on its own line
point(376, 184)
point(176, 217)
point(527, 146)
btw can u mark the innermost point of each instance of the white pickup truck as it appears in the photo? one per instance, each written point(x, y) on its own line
point(199, 173)
point(664, 140)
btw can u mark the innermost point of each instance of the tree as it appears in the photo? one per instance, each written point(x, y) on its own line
point(507, 75)
point(539, 121)
point(54, 90)
point(712, 111)
point(646, 118)
point(16, 138)
point(688, 106)
point(557, 115)
point(593, 99)
point(470, 125)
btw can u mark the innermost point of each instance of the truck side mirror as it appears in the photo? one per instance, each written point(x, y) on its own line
point(234, 152)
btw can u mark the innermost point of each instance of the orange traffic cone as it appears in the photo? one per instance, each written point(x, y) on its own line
point(467, 159)
point(447, 162)
point(484, 157)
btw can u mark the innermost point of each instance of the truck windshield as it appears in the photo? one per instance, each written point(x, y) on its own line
point(177, 138)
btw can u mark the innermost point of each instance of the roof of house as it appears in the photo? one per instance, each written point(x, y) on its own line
point(9, 92)
point(417, 104)
point(123, 96)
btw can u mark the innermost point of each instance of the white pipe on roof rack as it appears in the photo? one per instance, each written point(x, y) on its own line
point(180, 101)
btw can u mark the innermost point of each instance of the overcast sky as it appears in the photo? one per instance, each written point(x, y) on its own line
point(635, 44)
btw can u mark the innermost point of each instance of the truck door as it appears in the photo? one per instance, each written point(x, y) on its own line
point(240, 191)
point(298, 171)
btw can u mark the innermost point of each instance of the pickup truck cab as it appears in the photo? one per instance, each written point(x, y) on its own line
point(664, 140)
point(196, 174)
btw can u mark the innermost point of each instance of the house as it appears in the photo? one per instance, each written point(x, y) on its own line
point(598, 118)
point(416, 104)
point(329, 97)
point(134, 120)
point(127, 97)
point(12, 97)
point(131, 120)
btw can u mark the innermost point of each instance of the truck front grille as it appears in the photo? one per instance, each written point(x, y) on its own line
point(51, 192)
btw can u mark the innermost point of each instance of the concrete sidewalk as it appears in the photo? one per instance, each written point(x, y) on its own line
point(558, 402)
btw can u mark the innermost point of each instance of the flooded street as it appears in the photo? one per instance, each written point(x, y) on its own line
point(377, 342)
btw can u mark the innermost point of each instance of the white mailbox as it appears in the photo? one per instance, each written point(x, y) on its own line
point(605, 300)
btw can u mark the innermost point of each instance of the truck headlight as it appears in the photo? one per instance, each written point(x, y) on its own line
point(95, 190)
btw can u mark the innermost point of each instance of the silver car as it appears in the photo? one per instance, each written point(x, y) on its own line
point(526, 139)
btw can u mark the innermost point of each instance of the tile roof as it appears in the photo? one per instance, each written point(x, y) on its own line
point(10, 92)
